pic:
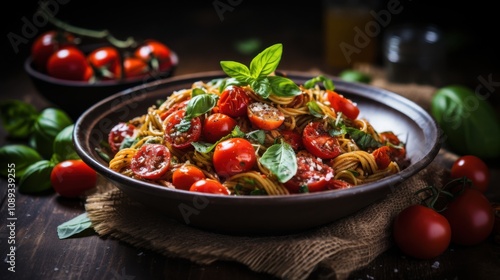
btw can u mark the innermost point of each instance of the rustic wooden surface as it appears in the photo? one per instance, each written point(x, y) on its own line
point(201, 40)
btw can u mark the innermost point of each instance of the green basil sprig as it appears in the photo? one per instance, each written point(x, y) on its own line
point(257, 76)
point(17, 118)
point(49, 123)
point(19, 154)
point(37, 177)
point(63, 147)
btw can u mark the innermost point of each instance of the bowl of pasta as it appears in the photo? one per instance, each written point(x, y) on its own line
point(287, 151)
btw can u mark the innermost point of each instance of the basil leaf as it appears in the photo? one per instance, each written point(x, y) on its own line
point(327, 83)
point(362, 139)
point(21, 155)
point(235, 70)
point(262, 87)
point(17, 117)
point(49, 123)
point(63, 145)
point(314, 109)
point(74, 226)
point(36, 177)
point(280, 159)
point(204, 147)
point(282, 86)
point(257, 135)
point(199, 105)
point(266, 61)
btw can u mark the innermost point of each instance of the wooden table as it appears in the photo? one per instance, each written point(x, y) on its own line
point(40, 254)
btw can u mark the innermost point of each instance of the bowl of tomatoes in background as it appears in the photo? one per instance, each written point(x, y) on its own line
point(74, 76)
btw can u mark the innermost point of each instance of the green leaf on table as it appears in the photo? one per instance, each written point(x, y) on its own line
point(36, 178)
point(17, 117)
point(49, 123)
point(64, 148)
point(19, 156)
point(74, 226)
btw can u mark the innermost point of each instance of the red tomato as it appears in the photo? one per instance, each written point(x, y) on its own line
point(176, 107)
point(341, 104)
point(474, 169)
point(209, 186)
point(181, 139)
point(421, 232)
point(293, 138)
point(335, 184)
point(72, 178)
point(318, 141)
point(216, 126)
point(233, 101)
point(155, 54)
point(118, 134)
point(106, 61)
point(233, 156)
point(265, 116)
point(471, 217)
point(389, 137)
point(48, 43)
point(135, 67)
point(151, 161)
point(382, 157)
point(68, 63)
point(312, 175)
point(186, 175)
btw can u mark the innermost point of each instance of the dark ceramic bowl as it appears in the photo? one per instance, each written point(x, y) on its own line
point(74, 97)
point(259, 214)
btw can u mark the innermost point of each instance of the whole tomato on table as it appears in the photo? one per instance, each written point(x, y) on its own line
point(72, 178)
point(473, 168)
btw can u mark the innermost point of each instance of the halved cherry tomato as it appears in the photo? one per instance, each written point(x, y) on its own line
point(186, 175)
point(233, 156)
point(72, 178)
point(135, 67)
point(382, 157)
point(335, 184)
point(265, 116)
point(181, 139)
point(474, 169)
point(341, 104)
point(233, 101)
point(216, 126)
point(312, 175)
point(68, 63)
point(106, 63)
point(319, 142)
point(176, 107)
point(118, 134)
point(48, 43)
point(293, 138)
point(151, 161)
point(156, 54)
point(209, 186)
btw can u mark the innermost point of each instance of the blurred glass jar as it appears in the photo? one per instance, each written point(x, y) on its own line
point(346, 39)
point(415, 54)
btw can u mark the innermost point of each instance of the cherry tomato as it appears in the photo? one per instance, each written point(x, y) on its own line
point(318, 141)
point(233, 156)
point(335, 184)
point(209, 186)
point(68, 63)
point(106, 62)
point(233, 101)
point(186, 175)
point(265, 116)
point(181, 139)
point(341, 104)
point(156, 54)
point(382, 157)
point(118, 134)
point(151, 161)
point(471, 217)
point(421, 232)
point(216, 126)
point(176, 107)
point(48, 43)
point(474, 169)
point(312, 175)
point(389, 137)
point(293, 138)
point(135, 67)
point(72, 178)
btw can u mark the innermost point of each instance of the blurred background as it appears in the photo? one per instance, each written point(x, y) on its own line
point(203, 33)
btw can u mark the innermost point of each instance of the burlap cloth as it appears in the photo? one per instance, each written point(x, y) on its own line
point(342, 247)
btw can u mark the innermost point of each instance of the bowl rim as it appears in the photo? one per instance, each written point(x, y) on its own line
point(392, 180)
point(28, 67)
